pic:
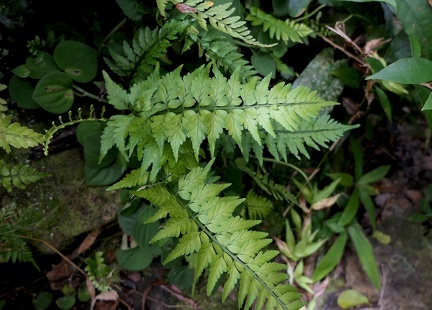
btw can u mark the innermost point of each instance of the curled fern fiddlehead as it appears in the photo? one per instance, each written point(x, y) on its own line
point(49, 134)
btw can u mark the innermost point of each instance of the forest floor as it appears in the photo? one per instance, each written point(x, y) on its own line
point(405, 262)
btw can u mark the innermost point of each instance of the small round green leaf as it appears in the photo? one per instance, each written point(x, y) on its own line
point(83, 292)
point(78, 60)
point(54, 93)
point(351, 298)
point(85, 129)
point(21, 91)
point(264, 64)
point(137, 258)
point(43, 300)
point(65, 302)
point(21, 71)
point(96, 176)
point(41, 65)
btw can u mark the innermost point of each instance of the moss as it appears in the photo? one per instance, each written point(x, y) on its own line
point(69, 207)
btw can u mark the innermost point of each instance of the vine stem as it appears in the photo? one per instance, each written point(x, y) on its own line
point(310, 14)
point(84, 93)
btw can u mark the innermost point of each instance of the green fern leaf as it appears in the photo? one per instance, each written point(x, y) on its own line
point(13, 134)
point(148, 46)
point(224, 54)
point(135, 177)
point(285, 31)
point(223, 243)
point(277, 191)
point(257, 207)
point(19, 176)
point(220, 17)
point(176, 111)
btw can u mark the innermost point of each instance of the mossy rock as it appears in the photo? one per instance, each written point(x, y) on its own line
point(69, 207)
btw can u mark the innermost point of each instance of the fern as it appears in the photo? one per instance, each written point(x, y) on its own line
point(18, 175)
point(224, 54)
point(205, 225)
point(49, 134)
point(219, 16)
point(285, 31)
point(257, 207)
point(173, 109)
point(148, 46)
point(13, 134)
point(12, 223)
point(277, 191)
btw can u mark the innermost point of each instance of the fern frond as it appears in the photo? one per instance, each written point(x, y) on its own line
point(134, 178)
point(206, 226)
point(257, 207)
point(19, 175)
point(281, 30)
point(49, 134)
point(174, 110)
point(12, 221)
point(13, 134)
point(220, 17)
point(224, 54)
point(265, 182)
point(14, 249)
point(148, 46)
point(315, 134)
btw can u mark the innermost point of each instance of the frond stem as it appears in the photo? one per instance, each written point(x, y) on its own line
point(272, 160)
point(84, 93)
point(310, 14)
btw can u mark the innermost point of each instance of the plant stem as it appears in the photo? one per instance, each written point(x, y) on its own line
point(83, 92)
point(310, 14)
point(272, 160)
point(57, 251)
point(108, 36)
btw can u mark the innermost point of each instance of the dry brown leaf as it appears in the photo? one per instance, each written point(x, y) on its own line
point(350, 106)
point(373, 45)
point(87, 242)
point(325, 203)
point(105, 301)
point(59, 273)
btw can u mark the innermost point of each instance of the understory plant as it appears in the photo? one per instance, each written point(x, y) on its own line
point(162, 125)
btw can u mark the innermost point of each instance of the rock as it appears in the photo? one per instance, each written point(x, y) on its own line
point(69, 207)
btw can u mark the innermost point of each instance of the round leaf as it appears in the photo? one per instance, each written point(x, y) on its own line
point(96, 176)
point(78, 60)
point(41, 65)
point(85, 129)
point(54, 93)
point(65, 302)
point(264, 64)
point(21, 71)
point(137, 258)
point(83, 292)
point(351, 298)
point(43, 300)
point(21, 91)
